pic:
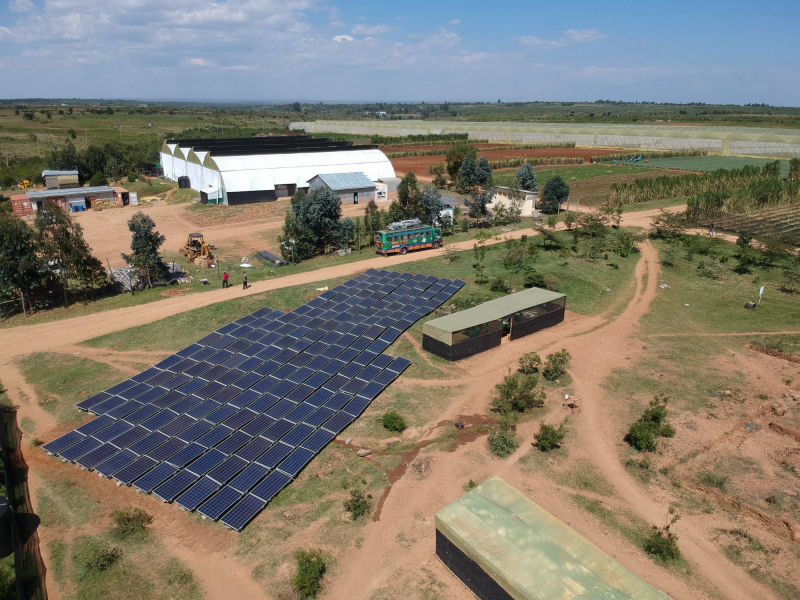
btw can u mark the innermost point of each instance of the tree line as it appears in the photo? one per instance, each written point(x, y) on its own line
point(99, 163)
point(51, 262)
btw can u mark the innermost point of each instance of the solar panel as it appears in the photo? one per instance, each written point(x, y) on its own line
point(197, 493)
point(216, 505)
point(176, 484)
point(272, 484)
point(244, 512)
point(293, 380)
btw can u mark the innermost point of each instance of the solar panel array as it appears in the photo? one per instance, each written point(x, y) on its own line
point(226, 423)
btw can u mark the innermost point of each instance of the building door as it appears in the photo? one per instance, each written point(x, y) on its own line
point(355, 197)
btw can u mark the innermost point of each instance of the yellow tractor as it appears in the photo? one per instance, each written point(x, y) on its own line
point(198, 250)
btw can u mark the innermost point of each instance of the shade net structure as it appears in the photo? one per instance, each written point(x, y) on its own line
point(504, 546)
point(226, 423)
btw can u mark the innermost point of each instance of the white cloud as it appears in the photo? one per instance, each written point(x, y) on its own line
point(361, 29)
point(342, 38)
point(20, 6)
point(455, 21)
point(198, 62)
point(571, 36)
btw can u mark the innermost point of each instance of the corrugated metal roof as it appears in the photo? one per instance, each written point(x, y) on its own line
point(530, 553)
point(491, 310)
point(345, 181)
point(84, 191)
point(48, 173)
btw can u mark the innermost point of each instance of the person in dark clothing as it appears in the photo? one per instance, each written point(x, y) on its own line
point(244, 280)
point(225, 279)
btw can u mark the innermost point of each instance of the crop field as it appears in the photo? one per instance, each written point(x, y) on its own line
point(712, 163)
point(781, 222)
point(419, 165)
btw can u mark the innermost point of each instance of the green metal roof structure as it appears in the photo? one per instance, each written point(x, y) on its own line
point(531, 554)
point(442, 328)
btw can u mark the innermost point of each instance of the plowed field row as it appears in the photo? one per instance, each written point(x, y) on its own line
point(595, 190)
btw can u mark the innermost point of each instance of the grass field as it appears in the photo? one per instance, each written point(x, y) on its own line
point(712, 163)
point(567, 173)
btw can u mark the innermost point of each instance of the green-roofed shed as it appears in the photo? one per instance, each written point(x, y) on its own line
point(504, 546)
point(481, 327)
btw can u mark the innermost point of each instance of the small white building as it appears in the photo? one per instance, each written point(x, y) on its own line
point(504, 196)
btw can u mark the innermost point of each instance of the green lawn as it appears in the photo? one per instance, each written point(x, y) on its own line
point(712, 163)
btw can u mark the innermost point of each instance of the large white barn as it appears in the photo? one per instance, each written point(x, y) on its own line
point(240, 170)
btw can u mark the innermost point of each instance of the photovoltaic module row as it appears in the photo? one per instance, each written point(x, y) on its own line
point(225, 424)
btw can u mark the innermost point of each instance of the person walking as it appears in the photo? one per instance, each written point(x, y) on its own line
point(225, 279)
point(244, 280)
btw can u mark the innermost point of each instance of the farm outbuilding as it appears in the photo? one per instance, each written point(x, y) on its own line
point(243, 170)
point(56, 180)
point(348, 186)
point(504, 546)
point(505, 196)
point(482, 327)
point(70, 199)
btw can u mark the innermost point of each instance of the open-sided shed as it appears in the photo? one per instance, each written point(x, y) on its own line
point(504, 546)
point(481, 327)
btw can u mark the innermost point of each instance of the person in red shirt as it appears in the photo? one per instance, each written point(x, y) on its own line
point(225, 279)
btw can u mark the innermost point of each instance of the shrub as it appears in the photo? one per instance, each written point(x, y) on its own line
point(503, 442)
point(662, 545)
point(552, 282)
point(518, 393)
point(98, 179)
point(499, 285)
point(131, 177)
point(394, 422)
point(556, 365)
point(310, 569)
point(712, 479)
point(92, 555)
point(358, 504)
point(534, 280)
point(642, 433)
point(642, 436)
point(529, 363)
point(549, 438)
point(130, 521)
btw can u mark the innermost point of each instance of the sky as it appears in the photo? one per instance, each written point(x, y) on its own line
point(436, 50)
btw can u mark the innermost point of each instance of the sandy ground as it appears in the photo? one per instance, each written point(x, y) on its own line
point(599, 345)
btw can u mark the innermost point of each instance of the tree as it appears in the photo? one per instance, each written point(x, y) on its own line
point(556, 364)
point(794, 169)
point(408, 194)
point(320, 211)
point(549, 438)
point(63, 247)
point(554, 195)
point(473, 174)
point(145, 242)
point(431, 204)
point(310, 565)
point(503, 442)
point(529, 363)
point(518, 393)
point(98, 179)
point(456, 154)
point(483, 173)
point(372, 221)
point(526, 178)
point(477, 205)
point(394, 421)
point(21, 270)
point(346, 232)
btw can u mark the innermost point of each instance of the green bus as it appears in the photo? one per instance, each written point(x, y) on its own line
point(403, 236)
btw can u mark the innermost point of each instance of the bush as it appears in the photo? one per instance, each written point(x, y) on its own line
point(534, 280)
point(552, 282)
point(556, 365)
point(641, 436)
point(98, 179)
point(549, 438)
point(310, 569)
point(394, 422)
point(92, 555)
point(712, 479)
point(131, 177)
point(130, 521)
point(529, 363)
point(358, 504)
point(518, 393)
point(503, 442)
point(643, 433)
point(499, 285)
point(662, 545)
